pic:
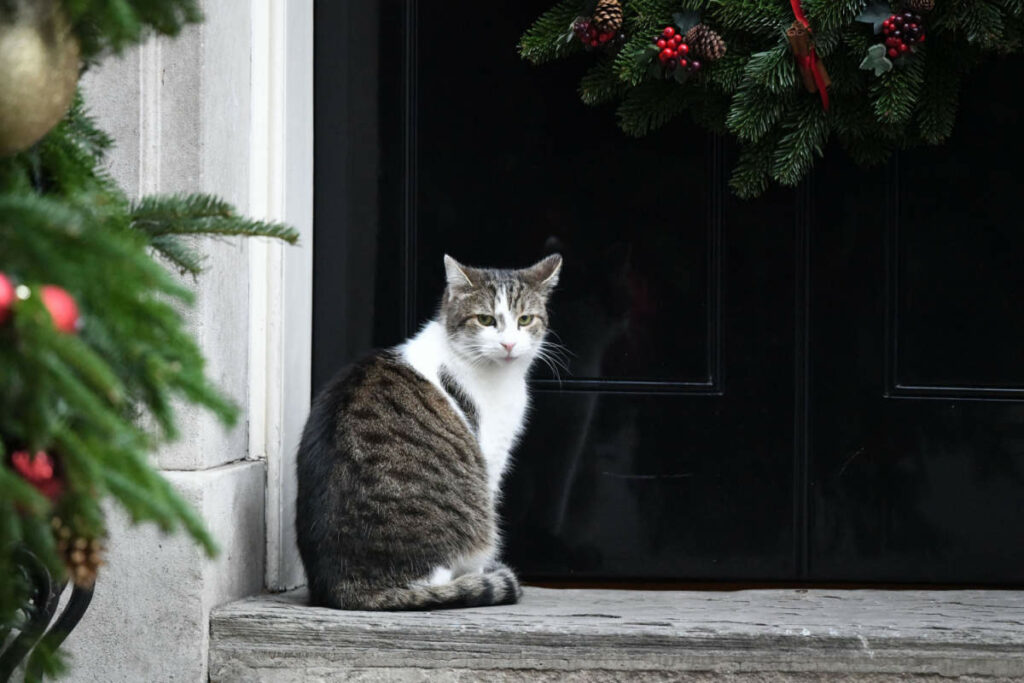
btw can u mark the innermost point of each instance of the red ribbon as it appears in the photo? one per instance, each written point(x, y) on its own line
point(811, 60)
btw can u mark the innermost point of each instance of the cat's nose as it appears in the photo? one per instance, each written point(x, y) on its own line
point(508, 347)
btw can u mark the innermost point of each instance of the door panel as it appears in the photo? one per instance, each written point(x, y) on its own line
point(959, 245)
point(917, 465)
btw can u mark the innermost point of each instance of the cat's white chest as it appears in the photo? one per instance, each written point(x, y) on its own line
point(502, 407)
point(499, 396)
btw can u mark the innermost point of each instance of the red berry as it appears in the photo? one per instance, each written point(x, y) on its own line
point(694, 65)
point(6, 297)
point(677, 39)
point(893, 52)
point(921, 39)
point(605, 37)
point(668, 32)
point(38, 469)
point(683, 62)
point(665, 54)
point(62, 308)
point(594, 43)
point(904, 47)
point(662, 43)
point(684, 48)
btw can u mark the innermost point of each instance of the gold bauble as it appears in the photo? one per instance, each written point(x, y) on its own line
point(38, 71)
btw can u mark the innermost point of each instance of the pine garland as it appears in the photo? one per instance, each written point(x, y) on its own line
point(99, 400)
point(756, 94)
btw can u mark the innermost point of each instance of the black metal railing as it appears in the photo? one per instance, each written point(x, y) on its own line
point(40, 627)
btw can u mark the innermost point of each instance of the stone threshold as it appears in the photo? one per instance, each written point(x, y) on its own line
point(618, 635)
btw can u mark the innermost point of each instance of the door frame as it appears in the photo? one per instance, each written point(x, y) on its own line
point(281, 277)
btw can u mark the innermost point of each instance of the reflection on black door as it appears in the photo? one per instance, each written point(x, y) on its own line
point(825, 384)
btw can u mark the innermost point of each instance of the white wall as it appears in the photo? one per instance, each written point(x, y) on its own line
point(225, 108)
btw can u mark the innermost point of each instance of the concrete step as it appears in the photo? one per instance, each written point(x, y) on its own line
point(616, 635)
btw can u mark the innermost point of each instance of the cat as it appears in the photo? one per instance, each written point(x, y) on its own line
point(401, 459)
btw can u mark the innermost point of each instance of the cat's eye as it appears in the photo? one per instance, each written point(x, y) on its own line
point(485, 320)
point(525, 320)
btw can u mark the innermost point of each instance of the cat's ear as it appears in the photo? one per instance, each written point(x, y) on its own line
point(458, 274)
point(544, 273)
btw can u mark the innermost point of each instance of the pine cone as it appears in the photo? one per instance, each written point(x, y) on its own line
point(607, 16)
point(703, 40)
point(921, 5)
point(82, 556)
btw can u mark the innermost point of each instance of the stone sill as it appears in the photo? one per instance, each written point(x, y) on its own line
point(613, 635)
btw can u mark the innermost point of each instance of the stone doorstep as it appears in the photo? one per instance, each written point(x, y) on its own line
point(611, 635)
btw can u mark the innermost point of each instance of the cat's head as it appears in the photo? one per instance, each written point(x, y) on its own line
point(498, 317)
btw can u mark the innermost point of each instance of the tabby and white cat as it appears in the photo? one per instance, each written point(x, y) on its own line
point(403, 453)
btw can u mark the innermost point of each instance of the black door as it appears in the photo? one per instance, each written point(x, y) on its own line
point(825, 384)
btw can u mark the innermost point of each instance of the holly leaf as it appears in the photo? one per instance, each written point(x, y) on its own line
point(876, 60)
point(570, 32)
point(686, 20)
point(875, 14)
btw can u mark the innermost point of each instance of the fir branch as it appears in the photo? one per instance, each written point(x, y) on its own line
point(710, 111)
point(751, 175)
point(828, 15)
point(773, 70)
point(727, 74)
point(940, 99)
point(551, 35)
point(110, 26)
point(1014, 8)
point(601, 84)
point(754, 112)
point(651, 105)
point(227, 226)
point(165, 218)
point(982, 23)
point(183, 257)
point(895, 94)
point(808, 130)
point(762, 17)
point(634, 58)
point(169, 208)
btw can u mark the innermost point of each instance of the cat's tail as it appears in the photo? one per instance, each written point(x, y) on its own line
point(497, 586)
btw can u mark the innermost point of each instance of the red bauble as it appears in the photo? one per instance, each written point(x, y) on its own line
point(39, 471)
point(62, 308)
point(6, 297)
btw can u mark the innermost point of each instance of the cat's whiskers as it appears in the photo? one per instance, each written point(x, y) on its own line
point(553, 355)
